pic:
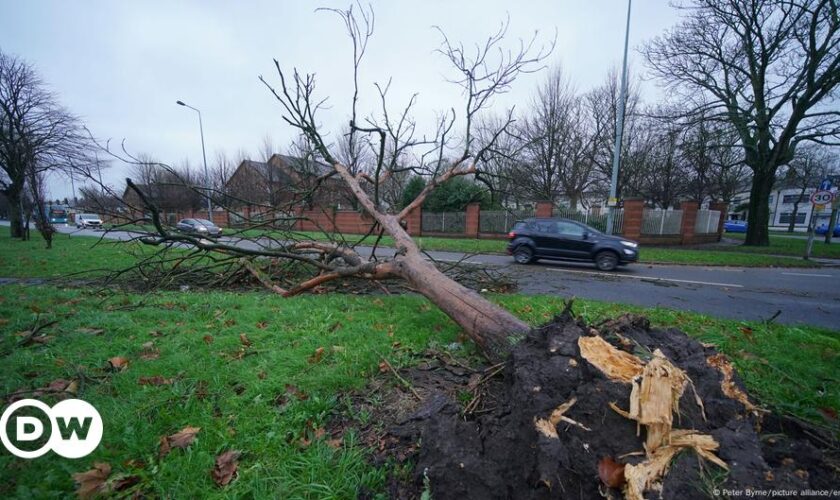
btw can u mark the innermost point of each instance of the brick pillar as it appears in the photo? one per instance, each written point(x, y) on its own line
point(298, 225)
point(414, 221)
point(633, 208)
point(471, 222)
point(689, 218)
point(544, 209)
point(724, 211)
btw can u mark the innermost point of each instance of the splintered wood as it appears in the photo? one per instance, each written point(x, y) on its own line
point(727, 385)
point(656, 389)
point(616, 364)
point(548, 427)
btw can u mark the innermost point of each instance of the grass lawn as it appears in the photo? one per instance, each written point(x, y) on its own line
point(269, 400)
point(70, 254)
point(791, 246)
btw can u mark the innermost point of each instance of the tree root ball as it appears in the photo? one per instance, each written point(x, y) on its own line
point(500, 454)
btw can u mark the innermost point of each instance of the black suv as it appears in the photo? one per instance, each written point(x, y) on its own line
point(534, 239)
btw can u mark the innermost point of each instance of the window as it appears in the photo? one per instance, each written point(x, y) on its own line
point(791, 198)
point(570, 229)
point(784, 218)
point(547, 227)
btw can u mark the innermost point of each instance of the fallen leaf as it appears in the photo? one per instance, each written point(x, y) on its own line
point(748, 332)
point(181, 439)
point(230, 322)
point(91, 331)
point(316, 357)
point(208, 339)
point(92, 482)
point(148, 346)
point(319, 433)
point(262, 325)
point(149, 356)
point(225, 469)
point(383, 367)
point(828, 413)
point(244, 340)
point(611, 472)
point(118, 363)
point(154, 380)
point(124, 482)
point(334, 443)
point(262, 375)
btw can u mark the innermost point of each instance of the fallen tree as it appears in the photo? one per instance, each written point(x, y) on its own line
point(483, 73)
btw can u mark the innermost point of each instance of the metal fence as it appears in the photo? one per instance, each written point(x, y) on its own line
point(661, 222)
point(594, 218)
point(444, 222)
point(501, 221)
point(707, 222)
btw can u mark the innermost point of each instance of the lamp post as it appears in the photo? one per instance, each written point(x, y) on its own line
point(204, 156)
point(619, 129)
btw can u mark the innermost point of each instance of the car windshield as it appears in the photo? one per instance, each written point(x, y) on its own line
point(89, 216)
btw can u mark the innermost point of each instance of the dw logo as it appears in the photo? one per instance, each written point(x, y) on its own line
point(30, 428)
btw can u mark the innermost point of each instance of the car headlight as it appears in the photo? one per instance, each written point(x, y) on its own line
point(202, 229)
point(630, 244)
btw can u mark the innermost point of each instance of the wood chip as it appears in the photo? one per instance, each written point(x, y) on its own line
point(727, 385)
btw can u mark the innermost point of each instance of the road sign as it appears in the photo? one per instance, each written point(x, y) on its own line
point(822, 197)
point(825, 185)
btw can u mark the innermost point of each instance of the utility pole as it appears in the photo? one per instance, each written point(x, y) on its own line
point(619, 128)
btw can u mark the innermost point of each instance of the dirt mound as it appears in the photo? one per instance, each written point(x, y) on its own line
point(499, 453)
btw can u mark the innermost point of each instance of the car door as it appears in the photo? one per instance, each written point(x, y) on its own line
point(572, 240)
point(545, 238)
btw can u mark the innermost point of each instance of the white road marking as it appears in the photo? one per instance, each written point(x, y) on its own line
point(812, 275)
point(650, 278)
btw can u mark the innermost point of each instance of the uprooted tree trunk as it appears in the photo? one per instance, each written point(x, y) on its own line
point(490, 326)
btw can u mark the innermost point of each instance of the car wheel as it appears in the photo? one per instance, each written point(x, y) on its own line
point(606, 261)
point(523, 255)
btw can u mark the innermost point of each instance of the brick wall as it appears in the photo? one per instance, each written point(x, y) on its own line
point(632, 228)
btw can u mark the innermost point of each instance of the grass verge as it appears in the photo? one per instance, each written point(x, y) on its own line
point(260, 374)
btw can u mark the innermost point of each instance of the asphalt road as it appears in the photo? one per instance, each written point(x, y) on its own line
point(806, 296)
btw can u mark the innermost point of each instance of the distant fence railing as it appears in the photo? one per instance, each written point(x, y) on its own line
point(707, 221)
point(443, 222)
point(501, 221)
point(594, 218)
point(661, 222)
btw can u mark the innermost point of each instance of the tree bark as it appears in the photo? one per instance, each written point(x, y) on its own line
point(759, 207)
point(492, 328)
point(15, 214)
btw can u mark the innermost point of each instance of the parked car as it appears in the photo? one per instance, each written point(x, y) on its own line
point(735, 226)
point(562, 239)
point(823, 228)
point(88, 220)
point(201, 227)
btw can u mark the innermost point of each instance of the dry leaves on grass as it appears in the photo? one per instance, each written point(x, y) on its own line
point(181, 439)
point(226, 467)
point(155, 380)
point(91, 331)
point(244, 340)
point(149, 352)
point(117, 363)
point(92, 482)
point(316, 356)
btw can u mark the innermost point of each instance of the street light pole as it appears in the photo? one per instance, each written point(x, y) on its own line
point(619, 129)
point(204, 156)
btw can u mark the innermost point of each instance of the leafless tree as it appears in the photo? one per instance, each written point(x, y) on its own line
point(36, 134)
point(769, 68)
point(811, 164)
point(482, 72)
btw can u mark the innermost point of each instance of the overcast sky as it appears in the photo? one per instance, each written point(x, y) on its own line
point(121, 65)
